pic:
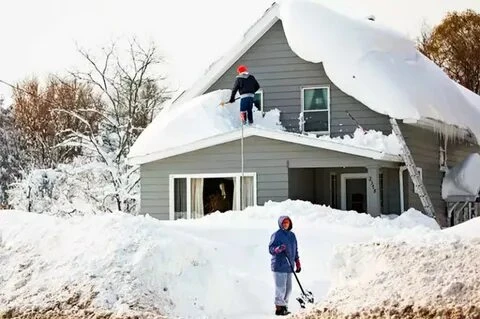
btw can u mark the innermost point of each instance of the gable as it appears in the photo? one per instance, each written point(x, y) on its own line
point(282, 75)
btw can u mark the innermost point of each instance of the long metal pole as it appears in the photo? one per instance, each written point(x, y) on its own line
point(242, 179)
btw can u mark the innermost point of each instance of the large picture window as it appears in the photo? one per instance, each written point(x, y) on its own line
point(197, 195)
point(316, 109)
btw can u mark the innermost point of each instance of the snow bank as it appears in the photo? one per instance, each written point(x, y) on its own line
point(401, 280)
point(416, 277)
point(199, 118)
point(463, 179)
point(468, 229)
point(379, 67)
point(214, 267)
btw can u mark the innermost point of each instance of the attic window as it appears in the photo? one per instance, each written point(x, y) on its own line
point(316, 109)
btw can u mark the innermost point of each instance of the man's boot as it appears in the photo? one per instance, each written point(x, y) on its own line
point(281, 311)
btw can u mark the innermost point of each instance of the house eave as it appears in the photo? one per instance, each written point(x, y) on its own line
point(444, 128)
point(275, 135)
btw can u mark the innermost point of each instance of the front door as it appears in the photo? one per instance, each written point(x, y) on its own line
point(354, 192)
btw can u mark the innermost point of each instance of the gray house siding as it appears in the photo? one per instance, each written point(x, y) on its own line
point(282, 75)
point(424, 146)
point(457, 151)
point(270, 159)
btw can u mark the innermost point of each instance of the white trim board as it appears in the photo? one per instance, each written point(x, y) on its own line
point(236, 176)
point(275, 135)
point(343, 186)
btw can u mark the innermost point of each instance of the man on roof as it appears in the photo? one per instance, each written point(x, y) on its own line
point(246, 85)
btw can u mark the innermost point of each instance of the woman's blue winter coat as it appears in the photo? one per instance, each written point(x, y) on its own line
point(287, 237)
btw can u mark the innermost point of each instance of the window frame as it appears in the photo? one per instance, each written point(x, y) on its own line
point(189, 177)
point(260, 91)
point(328, 110)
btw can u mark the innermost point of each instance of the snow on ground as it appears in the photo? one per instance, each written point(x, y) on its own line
point(406, 278)
point(379, 67)
point(214, 267)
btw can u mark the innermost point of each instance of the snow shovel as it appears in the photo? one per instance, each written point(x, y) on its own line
point(306, 296)
point(222, 104)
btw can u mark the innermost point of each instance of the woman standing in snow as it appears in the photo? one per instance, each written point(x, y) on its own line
point(283, 245)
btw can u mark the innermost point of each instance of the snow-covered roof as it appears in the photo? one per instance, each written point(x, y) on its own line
point(377, 66)
point(463, 180)
point(323, 143)
point(202, 122)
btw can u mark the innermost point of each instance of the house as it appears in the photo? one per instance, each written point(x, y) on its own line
point(324, 87)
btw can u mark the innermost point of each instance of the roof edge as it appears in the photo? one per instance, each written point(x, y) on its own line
point(280, 136)
point(221, 65)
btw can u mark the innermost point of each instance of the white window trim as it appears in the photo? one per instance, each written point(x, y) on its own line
point(260, 91)
point(302, 93)
point(400, 178)
point(237, 176)
point(343, 186)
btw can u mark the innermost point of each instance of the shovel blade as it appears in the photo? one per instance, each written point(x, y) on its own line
point(305, 298)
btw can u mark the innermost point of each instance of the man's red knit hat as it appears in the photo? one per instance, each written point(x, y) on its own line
point(242, 68)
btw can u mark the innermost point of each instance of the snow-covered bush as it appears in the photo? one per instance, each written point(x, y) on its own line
point(84, 186)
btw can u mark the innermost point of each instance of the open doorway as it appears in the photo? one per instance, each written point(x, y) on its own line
point(197, 195)
point(354, 192)
point(217, 195)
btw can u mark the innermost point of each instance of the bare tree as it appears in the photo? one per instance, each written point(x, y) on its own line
point(132, 92)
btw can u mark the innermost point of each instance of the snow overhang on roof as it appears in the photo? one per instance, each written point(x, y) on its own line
point(275, 135)
point(359, 55)
point(462, 182)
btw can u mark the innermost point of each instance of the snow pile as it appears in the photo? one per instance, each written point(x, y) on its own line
point(463, 179)
point(380, 68)
point(400, 279)
point(200, 118)
point(397, 285)
point(469, 229)
point(214, 267)
point(371, 139)
point(416, 277)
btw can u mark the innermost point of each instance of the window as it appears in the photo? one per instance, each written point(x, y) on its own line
point(180, 201)
point(316, 110)
point(258, 100)
point(197, 195)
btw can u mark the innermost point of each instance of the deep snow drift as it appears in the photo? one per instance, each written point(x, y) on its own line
point(214, 267)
